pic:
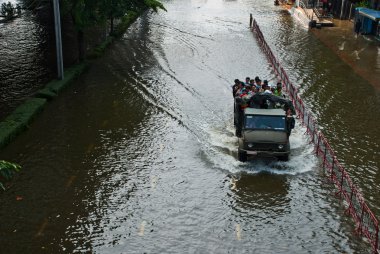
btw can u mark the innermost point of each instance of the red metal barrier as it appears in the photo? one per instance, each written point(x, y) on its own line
point(365, 220)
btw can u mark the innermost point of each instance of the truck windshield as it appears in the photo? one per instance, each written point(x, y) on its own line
point(265, 122)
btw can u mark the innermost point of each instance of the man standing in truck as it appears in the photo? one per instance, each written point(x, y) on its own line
point(290, 122)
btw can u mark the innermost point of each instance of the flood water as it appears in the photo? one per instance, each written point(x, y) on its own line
point(139, 155)
point(25, 59)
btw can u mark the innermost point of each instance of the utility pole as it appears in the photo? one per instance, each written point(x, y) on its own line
point(341, 10)
point(58, 38)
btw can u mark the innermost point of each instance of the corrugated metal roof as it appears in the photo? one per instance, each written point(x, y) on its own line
point(369, 13)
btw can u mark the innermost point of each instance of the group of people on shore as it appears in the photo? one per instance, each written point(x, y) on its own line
point(253, 86)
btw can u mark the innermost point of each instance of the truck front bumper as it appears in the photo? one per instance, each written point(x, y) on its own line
point(265, 153)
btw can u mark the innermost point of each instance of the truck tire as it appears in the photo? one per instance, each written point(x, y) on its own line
point(283, 158)
point(238, 133)
point(242, 156)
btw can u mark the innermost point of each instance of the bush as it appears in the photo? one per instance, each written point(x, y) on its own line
point(8, 10)
point(7, 171)
point(363, 4)
point(126, 21)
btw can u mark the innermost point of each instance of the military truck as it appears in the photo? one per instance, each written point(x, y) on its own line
point(264, 128)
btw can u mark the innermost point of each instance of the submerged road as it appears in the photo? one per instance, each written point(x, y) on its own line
point(139, 155)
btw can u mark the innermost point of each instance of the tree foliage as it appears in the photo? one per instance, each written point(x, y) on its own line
point(7, 171)
point(8, 10)
point(363, 4)
point(155, 5)
point(86, 13)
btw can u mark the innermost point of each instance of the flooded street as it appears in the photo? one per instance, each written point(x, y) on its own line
point(139, 154)
point(25, 62)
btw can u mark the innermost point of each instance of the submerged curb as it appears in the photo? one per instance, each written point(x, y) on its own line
point(18, 121)
point(22, 116)
point(52, 88)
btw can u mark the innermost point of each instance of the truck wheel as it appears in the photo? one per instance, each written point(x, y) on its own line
point(242, 156)
point(283, 158)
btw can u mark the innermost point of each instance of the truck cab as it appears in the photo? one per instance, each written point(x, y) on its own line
point(263, 132)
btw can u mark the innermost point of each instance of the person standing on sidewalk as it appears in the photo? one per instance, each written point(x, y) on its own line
point(358, 26)
point(324, 7)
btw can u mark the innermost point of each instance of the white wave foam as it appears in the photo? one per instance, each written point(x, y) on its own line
point(221, 147)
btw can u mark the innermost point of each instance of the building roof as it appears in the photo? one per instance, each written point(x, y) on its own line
point(369, 13)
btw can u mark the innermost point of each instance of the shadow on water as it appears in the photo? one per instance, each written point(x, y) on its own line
point(26, 61)
point(261, 192)
point(57, 192)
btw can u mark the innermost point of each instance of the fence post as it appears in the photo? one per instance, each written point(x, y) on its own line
point(319, 139)
point(308, 122)
point(361, 218)
point(314, 133)
point(341, 184)
point(377, 239)
point(353, 209)
point(350, 206)
point(324, 157)
point(332, 168)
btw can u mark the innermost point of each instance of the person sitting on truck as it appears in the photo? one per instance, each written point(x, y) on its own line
point(290, 122)
point(265, 83)
point(241, 90)
point(258, 80)
point(235, 87)
point(266, 88)
point(254, 90)
point(247, 79)
point(278, 90)
point(246, 94)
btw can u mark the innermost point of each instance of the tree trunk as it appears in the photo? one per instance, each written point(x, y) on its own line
point(111, 31)
point(81, 45)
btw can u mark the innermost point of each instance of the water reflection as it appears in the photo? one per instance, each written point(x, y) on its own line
point(264, 193)
point(145, 139)
point(25, 59)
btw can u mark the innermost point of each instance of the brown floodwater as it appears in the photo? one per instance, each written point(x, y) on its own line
point(26, 57)
point(139, 154)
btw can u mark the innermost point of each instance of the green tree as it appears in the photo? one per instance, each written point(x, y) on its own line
point(363, 4)
point(87, 13)
point(84, 14)
point(7, 10)
point(7, 171)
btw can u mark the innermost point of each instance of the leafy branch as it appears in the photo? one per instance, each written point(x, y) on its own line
point(363, 4)
point(7, 171)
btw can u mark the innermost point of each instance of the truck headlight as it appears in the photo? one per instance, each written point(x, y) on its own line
point(280, 147)
point(250, 145)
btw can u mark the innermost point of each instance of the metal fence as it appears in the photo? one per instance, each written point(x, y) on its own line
point(365, 220)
